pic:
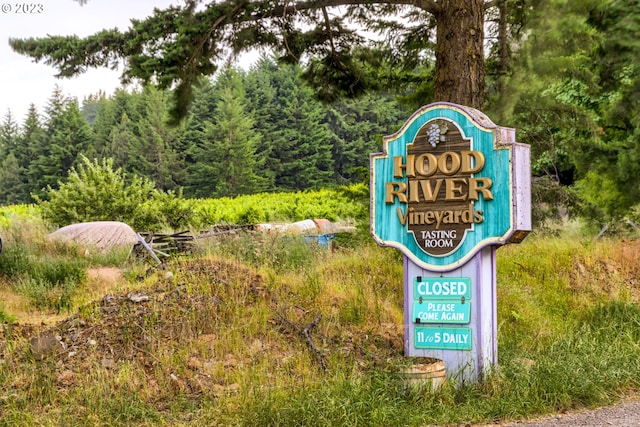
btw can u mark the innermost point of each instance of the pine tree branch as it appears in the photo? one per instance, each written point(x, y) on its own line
point(431, 6)
point(215, 25)
point(175, 46)
point(328, 24)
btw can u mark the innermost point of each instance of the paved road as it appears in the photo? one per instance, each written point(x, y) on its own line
point(626, 414)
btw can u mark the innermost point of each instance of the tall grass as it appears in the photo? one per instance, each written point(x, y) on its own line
point(558, 350)
point(46, 272)
point(272, 250)
point(222, 344)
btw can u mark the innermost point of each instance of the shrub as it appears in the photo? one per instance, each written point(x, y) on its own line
point(165, 209)
point(98, 192)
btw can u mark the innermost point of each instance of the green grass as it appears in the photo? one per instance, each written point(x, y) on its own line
point(593, 362)
point(6, 318)
point(47, 273)
point(219, 345)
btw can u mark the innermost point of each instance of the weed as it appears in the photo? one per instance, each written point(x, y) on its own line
point(14, 260)
point(227, 341)
point(46, 272)
point(115, 257)
point(6, 318)
point(279, 252)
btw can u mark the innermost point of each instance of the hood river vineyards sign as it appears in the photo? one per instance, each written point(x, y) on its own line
point(446, 185)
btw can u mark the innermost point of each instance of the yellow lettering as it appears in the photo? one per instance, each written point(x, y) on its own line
point(429, 218)
point(449, 163)
point(429, 193)
point(426, 164)
point(402, 217)
point(480, 185)
point(454, 192)
point(466, 157)
point(414, 197)
point(399, 166)
point(395, 189)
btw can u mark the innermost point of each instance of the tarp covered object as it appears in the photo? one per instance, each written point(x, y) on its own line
point(103, 235)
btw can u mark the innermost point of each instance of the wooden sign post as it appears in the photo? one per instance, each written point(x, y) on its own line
point(449, 187)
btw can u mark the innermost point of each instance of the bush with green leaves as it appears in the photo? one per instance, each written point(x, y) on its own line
point(98, 192)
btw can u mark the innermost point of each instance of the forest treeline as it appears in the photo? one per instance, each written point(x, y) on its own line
point(565, 75)
point(247, 132)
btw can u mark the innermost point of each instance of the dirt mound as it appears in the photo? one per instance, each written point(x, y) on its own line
point(192, 330)
point(130, 327)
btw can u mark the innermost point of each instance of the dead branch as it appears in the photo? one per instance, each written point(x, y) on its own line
point(305, 333)
point(310, 342)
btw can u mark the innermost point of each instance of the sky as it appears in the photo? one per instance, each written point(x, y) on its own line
point(24, 82)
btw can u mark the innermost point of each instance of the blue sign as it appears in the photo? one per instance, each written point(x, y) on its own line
point(441, 312)
point(447, 288)
point(435, 338)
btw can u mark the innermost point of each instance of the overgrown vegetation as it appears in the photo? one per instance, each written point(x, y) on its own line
point(341, 203)
point(97, 191)
point(49, 273)
point(269, 330)
point(45, 272)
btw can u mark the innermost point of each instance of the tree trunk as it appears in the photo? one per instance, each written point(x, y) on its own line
point(459, 74)
point(504, 46)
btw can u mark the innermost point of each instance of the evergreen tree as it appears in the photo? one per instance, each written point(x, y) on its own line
point(8, 134)
point(11, 175)
point(225, 151)
point(10, 181)
point(262, 104)
point(91, 105)
point(121, 138)
point(192, 139)
point(303, 148)
point(108, 116)
point(204, 104)
point(67, 136)
point(359, 126)
point(32, 142)
point(298, 142)
point(154, 153)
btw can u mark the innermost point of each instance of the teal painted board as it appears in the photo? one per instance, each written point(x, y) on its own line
point(441, 312)
point(439, 220)
point(442, 288)
point(445, 338)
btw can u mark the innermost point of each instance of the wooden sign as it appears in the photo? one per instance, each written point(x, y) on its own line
point(449, 187)
point(446, 185)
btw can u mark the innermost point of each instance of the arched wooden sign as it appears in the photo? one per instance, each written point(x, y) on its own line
point(447, 184)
